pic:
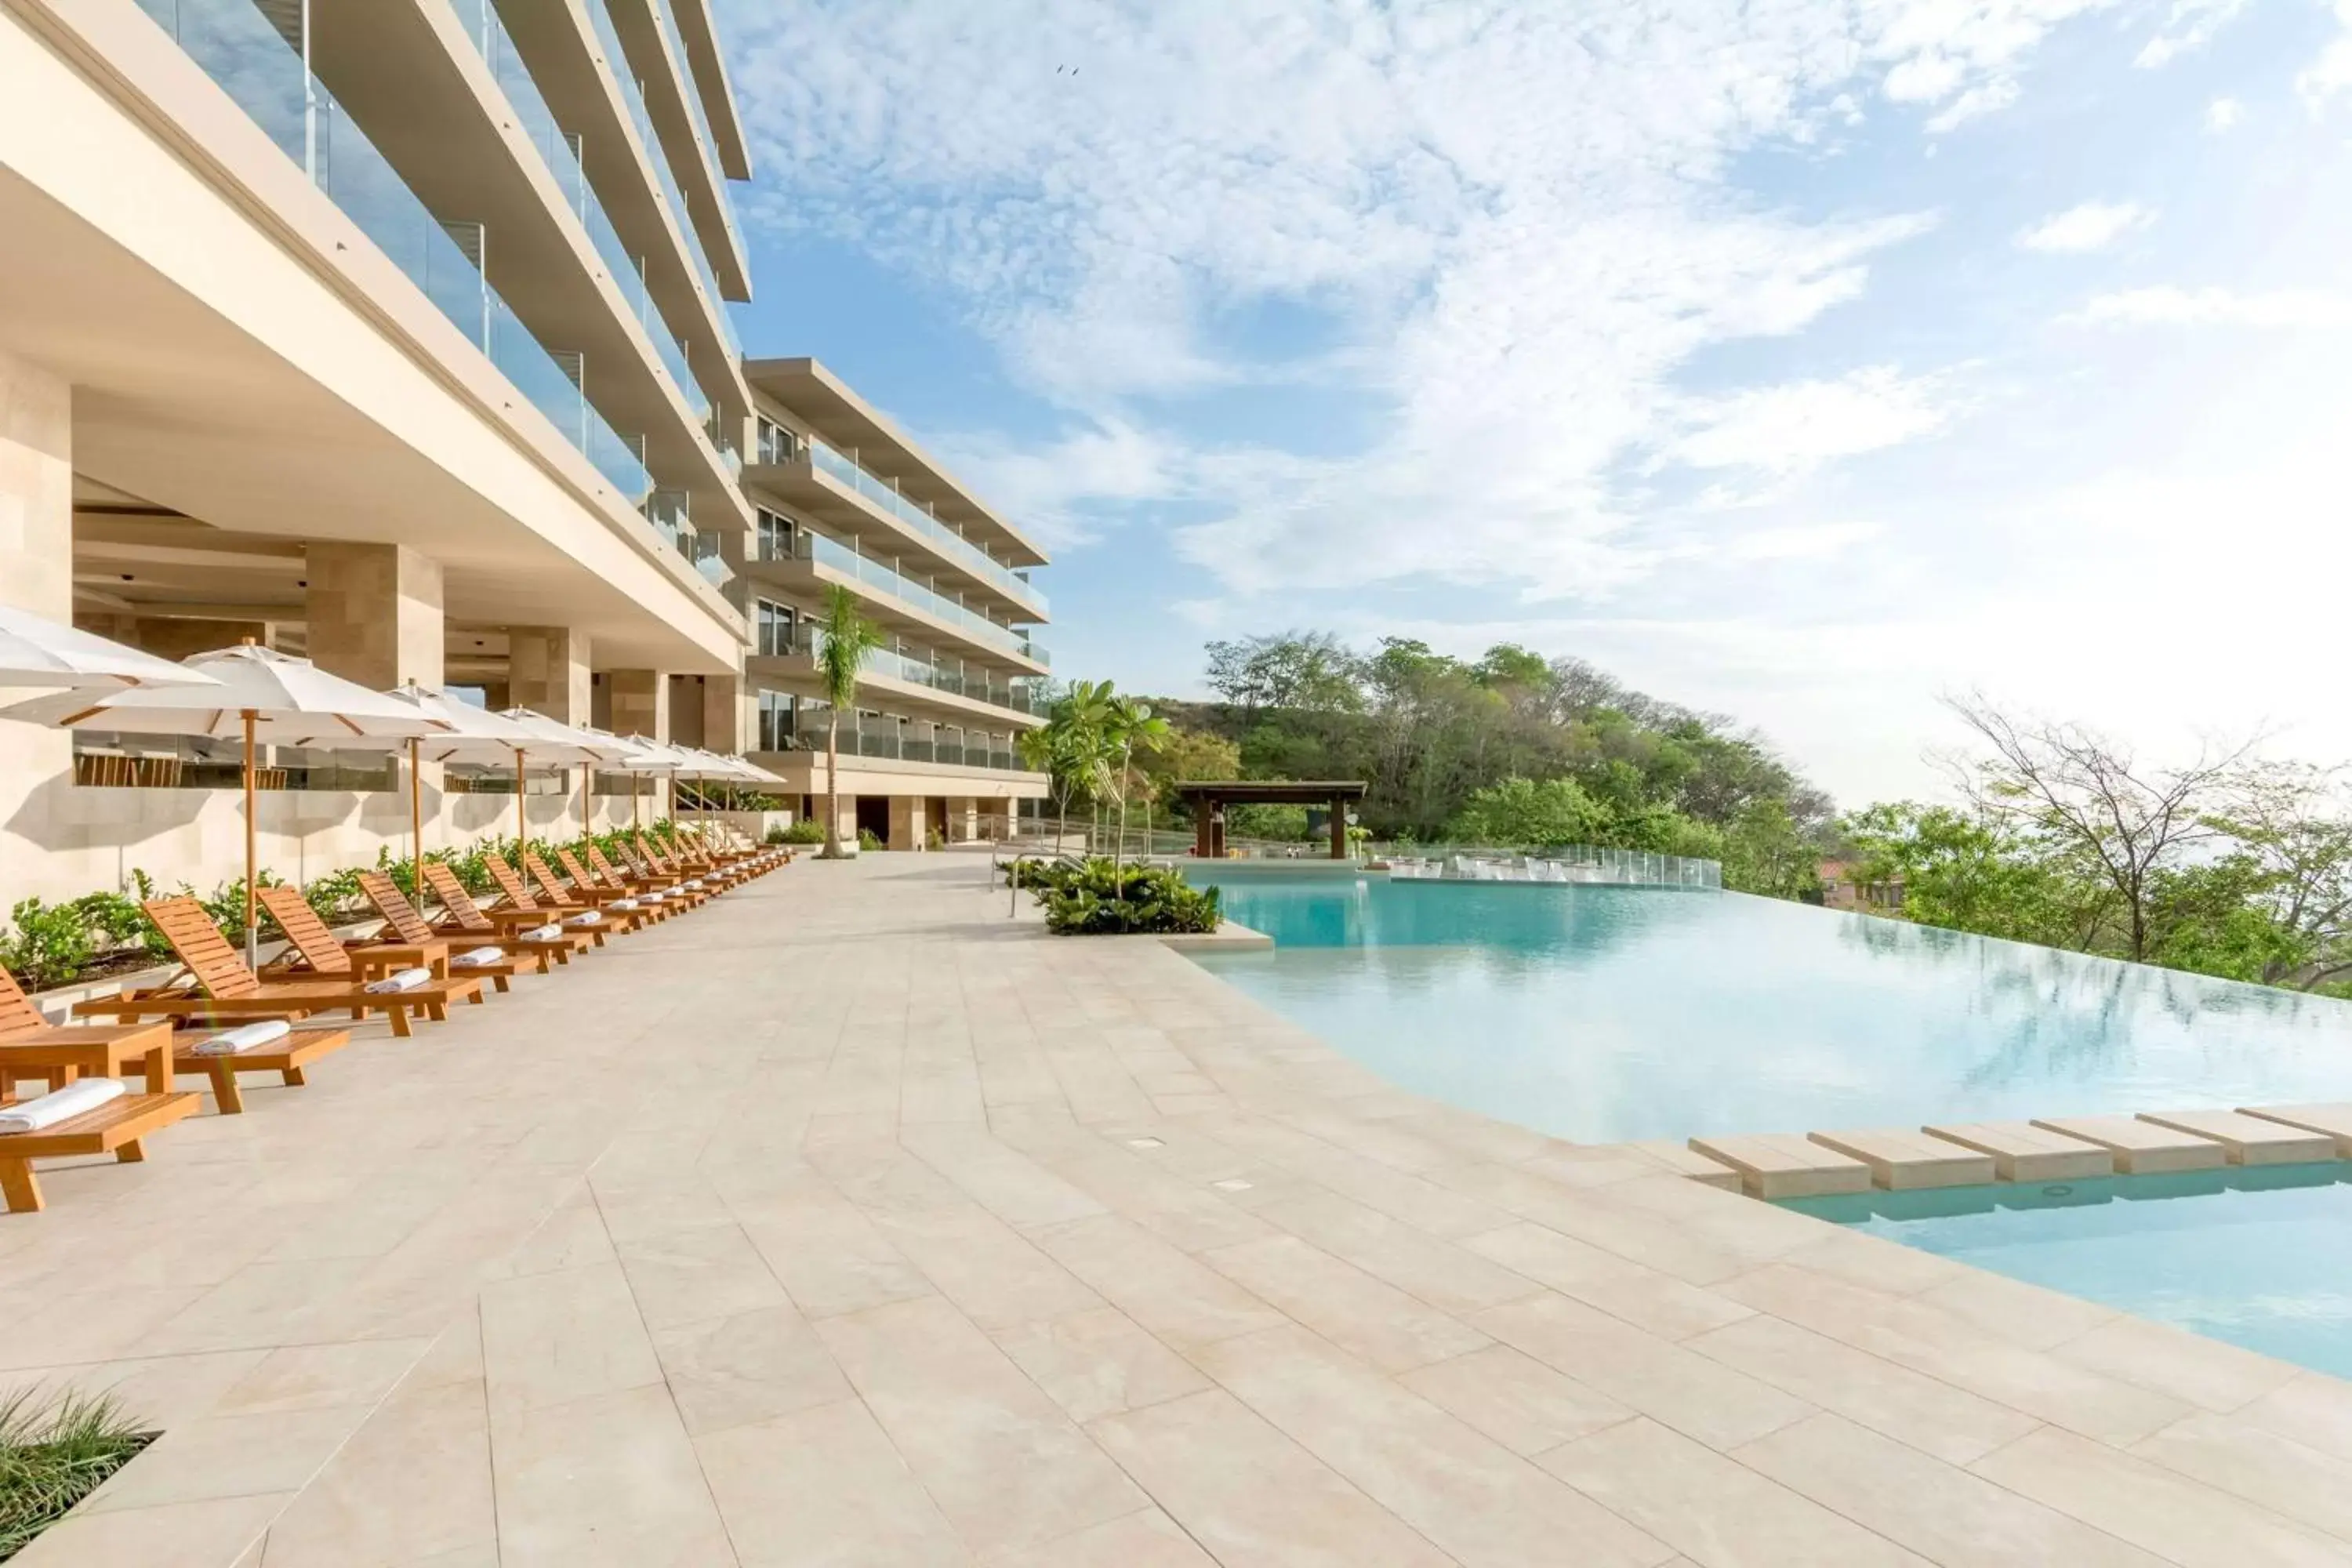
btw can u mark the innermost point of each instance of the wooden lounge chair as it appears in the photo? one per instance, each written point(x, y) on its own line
point(287, 1057)
point(517, 896)
point(663, 880)
point(640, 885)
point(323, 954)
point(499, 924)
point(663, 866)
point(370, 959)
point(606, 891)
point(114, 1128)
point(225, 988)
point(401, 918)
point(573, 890)
point(33, 1049)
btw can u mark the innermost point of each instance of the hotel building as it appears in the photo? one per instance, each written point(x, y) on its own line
point(393, 333)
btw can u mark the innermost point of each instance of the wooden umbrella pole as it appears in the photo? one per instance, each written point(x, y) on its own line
point(415, 825)
point(522, 824)
point(252, 922)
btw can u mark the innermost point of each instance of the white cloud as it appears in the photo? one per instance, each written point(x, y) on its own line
point(2331, 73)
point(2091, 226)
point(1795, 427)
point(1519, 220)
point(2192, 26)
point(2223, 114)
point(2167, 306)
point(1985, 98)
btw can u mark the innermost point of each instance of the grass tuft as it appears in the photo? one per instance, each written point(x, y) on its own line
point(53, 1455)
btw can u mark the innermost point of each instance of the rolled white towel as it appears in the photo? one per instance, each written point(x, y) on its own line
point(541, 933)
point(477, 958)
point(629, 903)
point(244, 1037)
point(590, 918)
point(49, 1110)
point(400, 980)
point(695, 886)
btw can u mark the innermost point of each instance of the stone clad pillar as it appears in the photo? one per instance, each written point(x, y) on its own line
point(723, 715)
point(35, 575)
point(547, 672)
point(375, 613)
point(640, 702)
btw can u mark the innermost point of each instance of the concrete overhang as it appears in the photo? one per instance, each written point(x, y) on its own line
point(797, 673)
point(809, 492)
point(810, 579)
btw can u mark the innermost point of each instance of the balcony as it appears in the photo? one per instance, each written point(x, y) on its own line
point(670, 513)
point(788, 652)
point(234, 44)
point(785, 450)
point(885, 738)
point(895, 596)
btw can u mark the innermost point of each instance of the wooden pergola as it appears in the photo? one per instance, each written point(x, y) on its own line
point(1209, 801)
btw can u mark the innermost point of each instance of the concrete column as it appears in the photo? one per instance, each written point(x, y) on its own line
point(547, 672)
point(35, 575)
point(725, 715)
point(640, 702)
point(166, 638)
point(909, 818)
point(964, 818)
point(375, 613)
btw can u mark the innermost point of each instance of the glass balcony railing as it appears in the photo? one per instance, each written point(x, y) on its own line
point(803, 545)
point(490, 38)
point(912, 666)
point(634, 96)
point(703, 137)
point(778, 445)
point(239, 50)
point(891, 739)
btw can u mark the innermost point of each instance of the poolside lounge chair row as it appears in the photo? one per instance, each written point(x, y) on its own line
point(408, 967)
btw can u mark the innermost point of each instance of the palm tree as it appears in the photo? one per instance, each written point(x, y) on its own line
point(843, 639)
point(1127, 720)
point(1073, 746)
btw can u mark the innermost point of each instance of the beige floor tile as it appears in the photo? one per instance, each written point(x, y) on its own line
point(573, 1236)
point(1944, 1514)
point(1660, 1303)
point(1872, 1262)
point(824, 1487)
point(1176, 1297)
point(1146, 1540)
point(1518, 1401)
point(2014, 1310)
point(1005, 1181)
point(830, 1257)
point(309, 1377)
point(1344, 1304)
point(2260, 1465)
point(1098, 1362)
point(1713, 1508)
point(549, 1339)
point(229, 1456)
point(182, 1535)
point(1695, 1395)
point(607, 1481)
point(730, 1372)
point(2150, 1506)
point(1476, 1499)
point(158, 1392)
point(1250, 1495)
point(1931, 1340)
point(1448, 1275)
point(2206, 1373)
point(1004, 1464)
point(696, 1273)
point(413, 1484)
point(994, 1275)
point(2313, 1409)
point(1933, 1416)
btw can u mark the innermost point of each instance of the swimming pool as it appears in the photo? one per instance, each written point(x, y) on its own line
point(2260, 1258)
point(1603, 1012)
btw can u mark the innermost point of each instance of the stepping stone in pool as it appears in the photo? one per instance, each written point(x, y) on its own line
point(2336, 1121)
point(2141, 1148)
point(1903, 1161)
point(2250, 1140)
point(2023, 1152)
point(1786, 1165)
point(1685, 1162)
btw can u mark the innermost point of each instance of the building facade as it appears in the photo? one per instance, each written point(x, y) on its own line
point(393, 333)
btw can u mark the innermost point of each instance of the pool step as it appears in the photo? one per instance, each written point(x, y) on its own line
point(2022, 1151)
point(2141, 1148)
point(2249, 1140)
point(2336, 1121)
point(1684, 1161)
point(1787, 1165)
point(1901, 1160)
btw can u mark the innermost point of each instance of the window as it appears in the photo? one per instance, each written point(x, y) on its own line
point(775, 536)
point(777, 444)
point(776, 721)
point(774, 629)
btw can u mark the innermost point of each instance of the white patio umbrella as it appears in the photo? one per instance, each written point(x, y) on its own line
point(555, 740)
point(258, 695)
point(38, 651)
point(647, 756)
point(474, 735)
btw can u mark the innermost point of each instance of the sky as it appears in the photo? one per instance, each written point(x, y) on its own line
point(1804, 362)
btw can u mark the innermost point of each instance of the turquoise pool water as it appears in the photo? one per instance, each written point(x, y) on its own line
point(1600, 1013)
point(2262, 1259)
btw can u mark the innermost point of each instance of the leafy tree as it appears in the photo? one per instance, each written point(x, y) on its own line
point(1312, 671)
point(1527, 813)
point(843, 639)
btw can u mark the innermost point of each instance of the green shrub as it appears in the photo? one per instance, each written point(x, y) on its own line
point(1100, 898)
point(117, 922)
point(50, 945)
point(807, 830)
point(53, 1456)
point(866, 839)
point(335, 895)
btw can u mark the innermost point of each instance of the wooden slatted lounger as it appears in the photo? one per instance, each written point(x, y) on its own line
point(114, 1128)
point(665, 878)
point(466, 915)
point(588, 884)
point(576, 891)
point(287, 1057)
point(226, 989)
point(638, 884)
point(518, 897)
point(322, 951)
point(400, 918)
point(22, 1022)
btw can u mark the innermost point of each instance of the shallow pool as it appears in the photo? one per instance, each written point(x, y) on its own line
point(2260, 1257)
point(1600, 1013)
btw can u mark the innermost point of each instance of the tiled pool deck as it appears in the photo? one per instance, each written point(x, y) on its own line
point(848, 1222)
